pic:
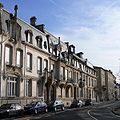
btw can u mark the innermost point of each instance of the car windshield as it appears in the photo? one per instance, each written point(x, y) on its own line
point(5, 106)
point(51, 103)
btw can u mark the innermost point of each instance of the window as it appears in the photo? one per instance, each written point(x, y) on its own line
point(29, 61)
point(77, 77)
point(29, 88)
point(29, 36)
point(45, 45)
point(52, 66)
point(70, 74)
point(12, 86)
point(39, 64)
point(8, 55)
point(19, 58)
point(89, 82)
point(39, 41)
point(66, 75)
point(45, 64)
point(62, 73)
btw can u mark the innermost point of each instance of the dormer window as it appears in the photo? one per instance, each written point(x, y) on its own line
point(29, 36)
point(39, 41)
point(45, 45)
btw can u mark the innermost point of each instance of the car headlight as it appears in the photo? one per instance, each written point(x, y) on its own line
point(8, 110)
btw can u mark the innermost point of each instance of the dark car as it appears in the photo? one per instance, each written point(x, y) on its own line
point(10, 109)
point(56, 105)
point(36, 107)
point(76, 104)
point(88, 102)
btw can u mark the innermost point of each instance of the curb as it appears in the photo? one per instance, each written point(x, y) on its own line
point(116, 111)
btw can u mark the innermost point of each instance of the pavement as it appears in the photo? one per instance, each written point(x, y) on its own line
point(116, 111)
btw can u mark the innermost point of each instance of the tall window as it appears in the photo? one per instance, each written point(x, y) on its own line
point(29, 88)
point(52, 66)
point(29, 61)
point(39, 41)
point(12, 86)
point(70, 74)
point(66, 75)
point(77, 77)
point(19, 58)
point(8, 55)
point(39, 64)
point(45, 64)
point(62, 73)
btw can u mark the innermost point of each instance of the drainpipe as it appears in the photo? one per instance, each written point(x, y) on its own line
point(24, 74)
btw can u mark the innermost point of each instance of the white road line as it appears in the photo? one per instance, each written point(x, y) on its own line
point(88, 112)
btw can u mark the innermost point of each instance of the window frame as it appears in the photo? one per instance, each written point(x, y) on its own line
point(20, 64)
point(40, 67)
point(8, 58)
point(29, 68)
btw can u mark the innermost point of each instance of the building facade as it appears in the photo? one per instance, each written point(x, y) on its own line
point(36, 65)
point(106, 84)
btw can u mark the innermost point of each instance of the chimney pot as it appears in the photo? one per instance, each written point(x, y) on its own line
point(1, 6)
point(33, 21)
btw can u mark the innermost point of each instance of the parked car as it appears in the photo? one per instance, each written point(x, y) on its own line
point(88, 102)
point(55, 105)
point(36, 107)
point(10, 109)
point(76, 103)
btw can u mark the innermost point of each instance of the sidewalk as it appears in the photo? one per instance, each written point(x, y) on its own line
point(116, 111)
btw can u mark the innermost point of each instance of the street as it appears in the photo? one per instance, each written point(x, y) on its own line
point(100, 111)
point(97, 112)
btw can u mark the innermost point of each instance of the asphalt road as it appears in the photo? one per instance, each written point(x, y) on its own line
point(96, 112)
point(101, 111)
point(104, 112)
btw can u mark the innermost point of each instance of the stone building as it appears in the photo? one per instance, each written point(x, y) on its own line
point(106, 83)
point(111, 83)
point(24, 59)
point(34, 64)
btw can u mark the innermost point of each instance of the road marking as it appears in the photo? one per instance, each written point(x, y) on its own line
point(88, 112)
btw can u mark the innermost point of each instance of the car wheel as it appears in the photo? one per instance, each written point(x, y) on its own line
point(55, 109)
point(63, 108)
point(36, 111)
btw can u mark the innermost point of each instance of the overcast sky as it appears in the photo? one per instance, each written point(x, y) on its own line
point(93, 26)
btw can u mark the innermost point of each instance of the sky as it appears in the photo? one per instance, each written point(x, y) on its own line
point(93, 26)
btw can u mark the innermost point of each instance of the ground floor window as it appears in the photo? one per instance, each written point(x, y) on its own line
point(29, 88)
point(40, 88)
point(12, 86)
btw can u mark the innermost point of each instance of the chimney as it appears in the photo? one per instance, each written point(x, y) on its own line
point(67, 43)
point(33, 21)
point(80, 54)
point(41, 27)
point(1, 6)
